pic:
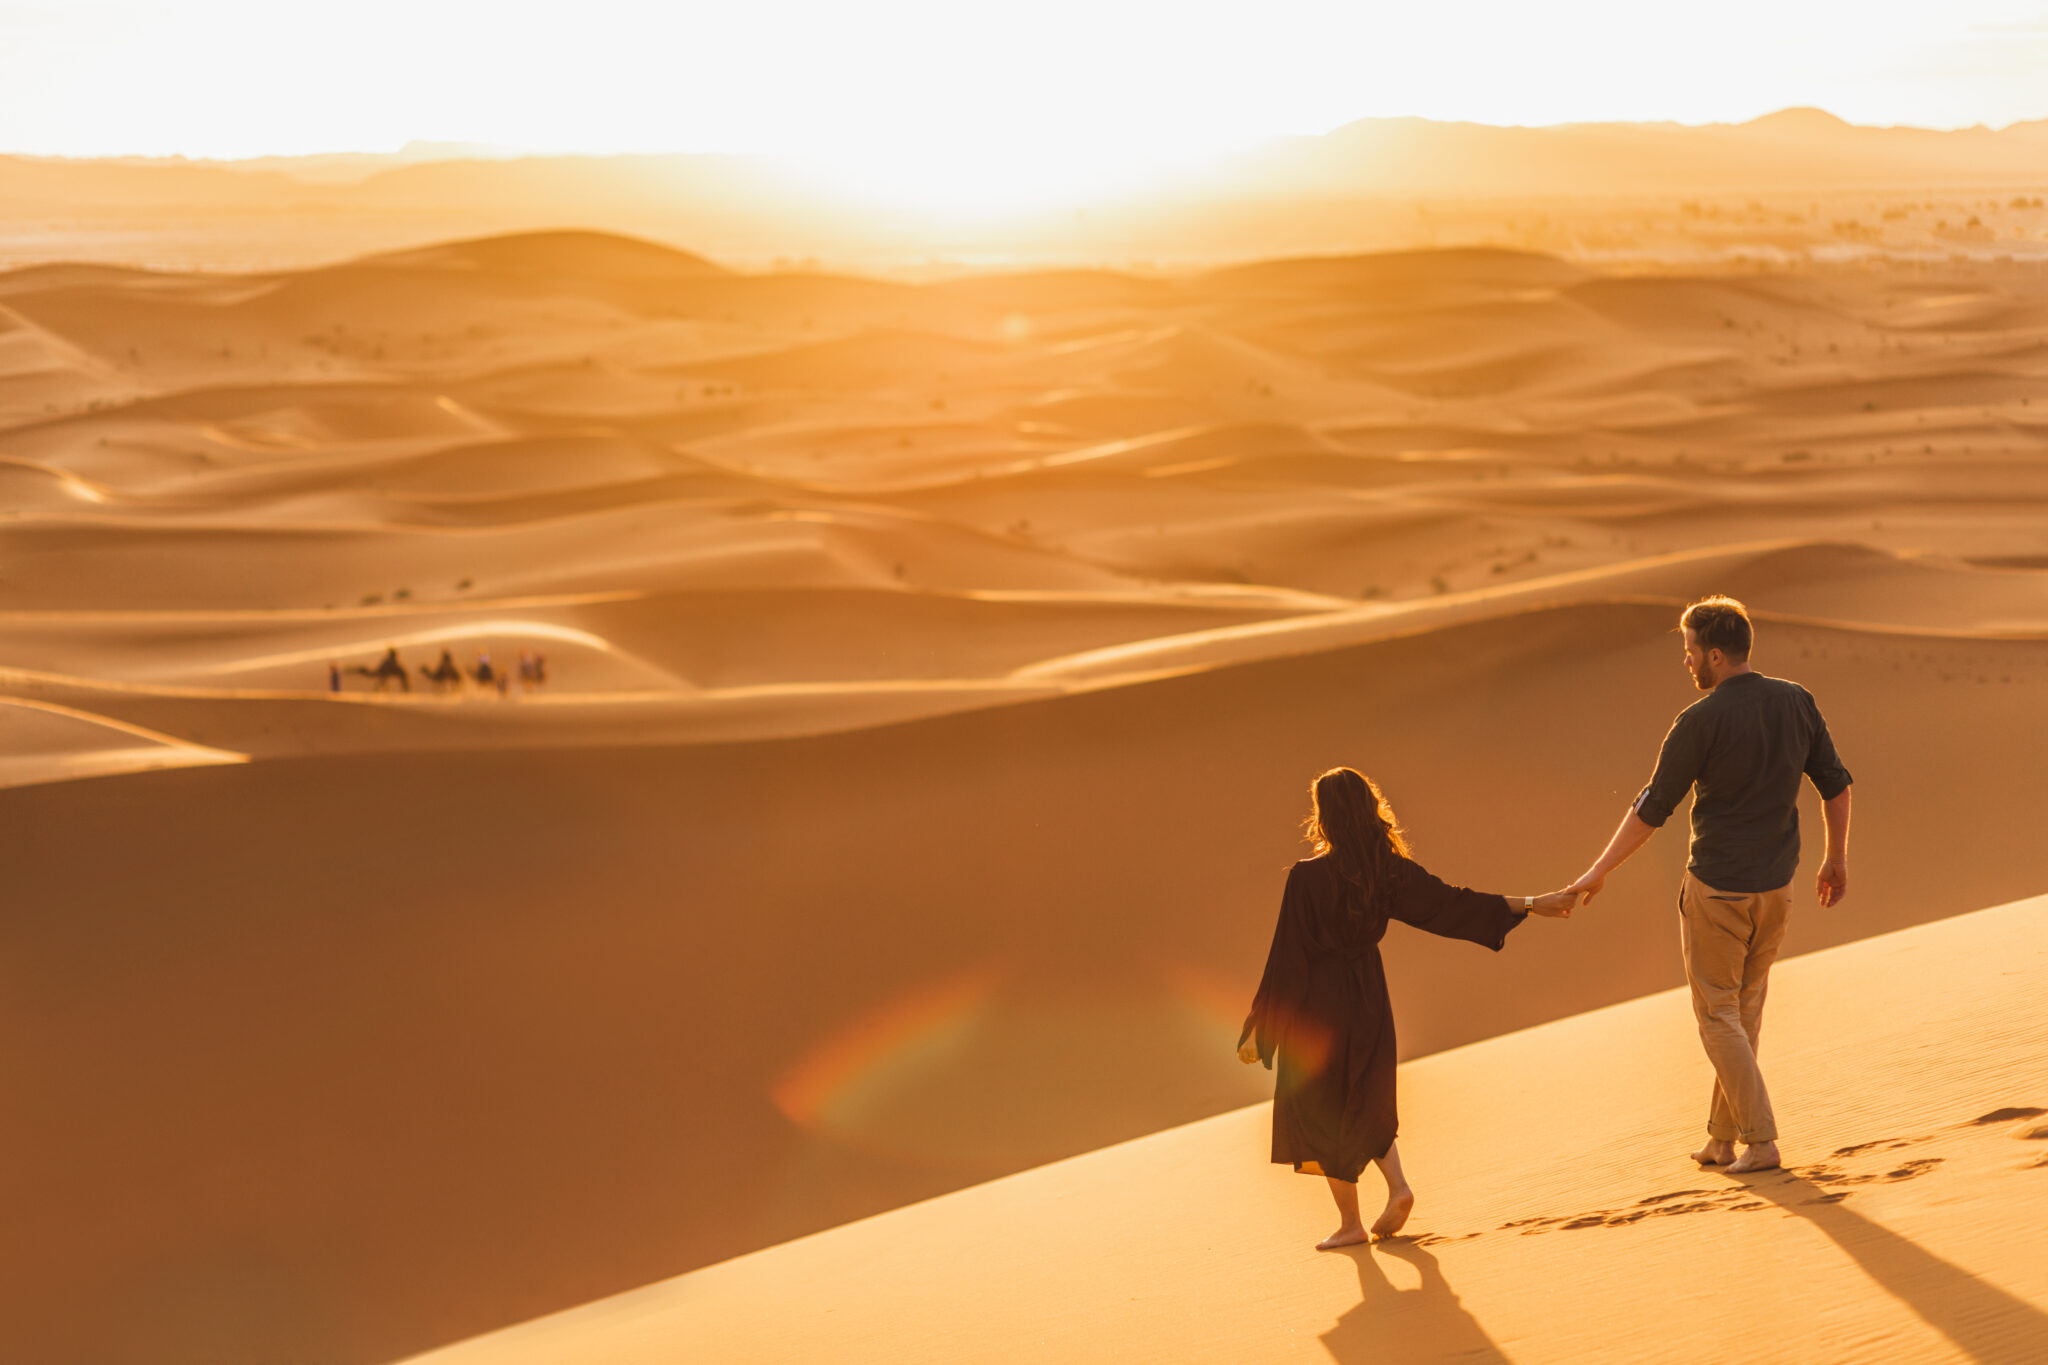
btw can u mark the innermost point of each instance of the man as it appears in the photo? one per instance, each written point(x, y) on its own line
point(1741, 749)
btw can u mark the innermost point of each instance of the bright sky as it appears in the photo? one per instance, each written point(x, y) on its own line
point(1041, 96)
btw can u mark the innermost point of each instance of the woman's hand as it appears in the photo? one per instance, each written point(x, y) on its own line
point(1248, 1050)
point(1556, 905)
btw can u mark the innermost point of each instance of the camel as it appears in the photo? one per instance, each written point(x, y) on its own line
point(533, 669)
point(444, 673)
point(387, 668)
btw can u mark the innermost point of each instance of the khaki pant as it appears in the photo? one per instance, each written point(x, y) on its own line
point(1730, 940)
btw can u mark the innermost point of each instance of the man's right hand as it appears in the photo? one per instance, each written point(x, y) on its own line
point(1833, 883)
point(1629, 836)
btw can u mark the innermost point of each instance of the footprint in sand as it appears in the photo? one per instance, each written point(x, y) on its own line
point(2010, 1114)
point(2007, 1116)
point(1827, 1174)
point(1886, 1144)
point(1741, 1198)
point(1738, 1198)
point(1912, 1168)
point(1733, 1199)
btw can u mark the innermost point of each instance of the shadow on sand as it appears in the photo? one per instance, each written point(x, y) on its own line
point(1396, 1325)
point(1991, 1326)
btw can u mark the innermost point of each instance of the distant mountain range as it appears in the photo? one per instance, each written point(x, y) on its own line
point(1795, 149)
point(1605, 190)
point(1791, 150)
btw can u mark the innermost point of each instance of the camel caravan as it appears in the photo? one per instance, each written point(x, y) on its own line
point(446, 675)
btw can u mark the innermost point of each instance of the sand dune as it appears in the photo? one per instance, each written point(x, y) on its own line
point(737, 663)
point(588, 256)
point(933, 674)
point(43, 742)
point(703, 946)
point(1903, 1228)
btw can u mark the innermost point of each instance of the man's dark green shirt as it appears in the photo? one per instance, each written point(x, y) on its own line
point(1744, 746)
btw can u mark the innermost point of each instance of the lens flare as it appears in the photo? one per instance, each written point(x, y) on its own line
point(824, 1089)
point(990, 1070)
point(1305, 1042)
point(1210, 993)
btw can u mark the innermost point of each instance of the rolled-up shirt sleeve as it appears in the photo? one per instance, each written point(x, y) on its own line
point(1823, 765)
point(1678, 767)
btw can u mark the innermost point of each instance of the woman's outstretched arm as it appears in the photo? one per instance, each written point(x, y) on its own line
point(1436, 907)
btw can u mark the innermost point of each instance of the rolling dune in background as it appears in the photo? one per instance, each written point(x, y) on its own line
point(935, 674)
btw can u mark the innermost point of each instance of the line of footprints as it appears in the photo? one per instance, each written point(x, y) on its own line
point(1829, 1180)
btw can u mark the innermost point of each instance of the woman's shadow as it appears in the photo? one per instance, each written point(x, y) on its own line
point(1394, 1325)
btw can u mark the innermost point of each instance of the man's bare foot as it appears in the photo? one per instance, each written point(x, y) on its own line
point(1400, 1203)
point(1350, 1235)
point(1715, 1153)
point(1758, 1156)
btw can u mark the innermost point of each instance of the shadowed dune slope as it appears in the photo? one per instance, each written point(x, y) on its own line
point(1906, 1069)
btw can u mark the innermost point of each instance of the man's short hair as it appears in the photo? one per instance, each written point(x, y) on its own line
point(1721, 623)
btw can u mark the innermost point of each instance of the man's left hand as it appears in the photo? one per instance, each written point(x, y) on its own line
point(1833, 883)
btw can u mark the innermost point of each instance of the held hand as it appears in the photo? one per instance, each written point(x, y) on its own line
point(1556, 905)
point(1833, 883)
point(1589, 885)
point(1248, 1051)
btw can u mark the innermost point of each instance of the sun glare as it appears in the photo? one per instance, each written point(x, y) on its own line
point(974, 183)
point(968, 110)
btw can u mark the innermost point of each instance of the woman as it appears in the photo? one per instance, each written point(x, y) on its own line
point(1322, 1005)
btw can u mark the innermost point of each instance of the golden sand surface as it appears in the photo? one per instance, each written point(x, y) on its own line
point(1558, 1219)
point(935, 673)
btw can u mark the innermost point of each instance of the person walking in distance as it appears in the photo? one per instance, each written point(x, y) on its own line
point(1741, 751)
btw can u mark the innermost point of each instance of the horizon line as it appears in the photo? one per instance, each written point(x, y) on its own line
point(469, 149)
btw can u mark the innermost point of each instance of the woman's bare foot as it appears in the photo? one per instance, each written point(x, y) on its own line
point(1400, 1203)
point(1350, 1227)
point(1717, 1152)
point(1758, 1156)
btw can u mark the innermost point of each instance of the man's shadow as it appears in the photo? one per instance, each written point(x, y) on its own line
point(1989, 1325)
point(1393, 1325)
point(1429, 1323)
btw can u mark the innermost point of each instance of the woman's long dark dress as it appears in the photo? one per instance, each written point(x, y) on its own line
point(1322, 1009)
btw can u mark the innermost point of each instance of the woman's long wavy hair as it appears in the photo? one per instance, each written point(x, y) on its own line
point(1350, 820)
